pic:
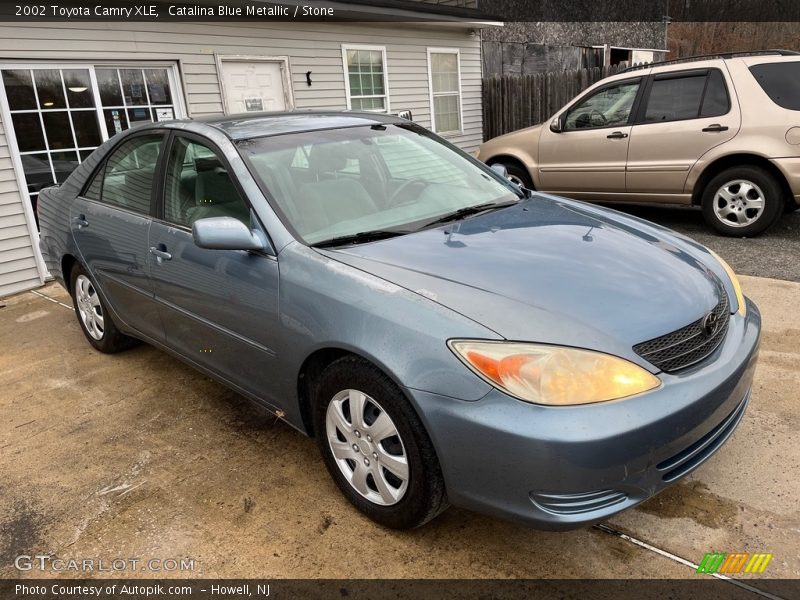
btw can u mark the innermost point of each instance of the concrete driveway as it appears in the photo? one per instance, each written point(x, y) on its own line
point(137, 455)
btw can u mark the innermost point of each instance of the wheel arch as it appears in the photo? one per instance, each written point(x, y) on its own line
point(313, 366)
point(736, 160)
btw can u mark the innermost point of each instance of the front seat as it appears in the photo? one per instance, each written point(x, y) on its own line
point(332, 198)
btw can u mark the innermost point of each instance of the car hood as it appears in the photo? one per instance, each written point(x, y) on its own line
point(552, 270)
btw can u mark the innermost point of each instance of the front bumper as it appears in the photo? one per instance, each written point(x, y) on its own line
point(564, 467)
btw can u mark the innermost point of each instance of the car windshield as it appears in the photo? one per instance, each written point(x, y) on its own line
point(388, 178)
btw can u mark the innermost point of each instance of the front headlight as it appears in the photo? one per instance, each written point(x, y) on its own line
point(737, 288)
point(553, 375)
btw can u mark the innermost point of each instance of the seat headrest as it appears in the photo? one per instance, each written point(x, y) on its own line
point(327, 158)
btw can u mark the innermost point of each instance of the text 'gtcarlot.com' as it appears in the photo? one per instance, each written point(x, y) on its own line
point(43, 562)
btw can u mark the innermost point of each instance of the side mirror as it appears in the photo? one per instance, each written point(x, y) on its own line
point(226, 233)
point(555, 125)
point(500, 169)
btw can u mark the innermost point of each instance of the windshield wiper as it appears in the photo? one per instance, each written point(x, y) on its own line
point(468, 211)
point(361, 237)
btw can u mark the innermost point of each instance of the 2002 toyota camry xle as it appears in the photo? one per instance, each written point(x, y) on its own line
point(446, 336)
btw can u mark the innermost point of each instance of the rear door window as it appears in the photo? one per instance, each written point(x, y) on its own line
point(781, 82)
point(715, 100)
point(674, 99)
point(130, 173)
point(677, 97)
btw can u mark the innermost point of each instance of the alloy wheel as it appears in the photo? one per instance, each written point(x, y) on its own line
point(367, 447)
point(739, 203)
point(89, 307)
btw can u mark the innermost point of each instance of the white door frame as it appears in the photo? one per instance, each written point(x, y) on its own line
point(11, 136)
point(283, 63)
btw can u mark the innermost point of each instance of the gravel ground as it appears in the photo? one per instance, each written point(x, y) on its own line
point(774, 254)
point(135, 455)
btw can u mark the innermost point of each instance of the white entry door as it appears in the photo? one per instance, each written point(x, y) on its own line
point(253, 86)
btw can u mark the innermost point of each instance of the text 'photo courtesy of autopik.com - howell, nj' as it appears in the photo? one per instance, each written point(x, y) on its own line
point(399, 299)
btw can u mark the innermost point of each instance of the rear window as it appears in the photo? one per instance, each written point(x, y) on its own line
point(781, 82)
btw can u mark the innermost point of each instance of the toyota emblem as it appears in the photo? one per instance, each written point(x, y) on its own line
point(710, 324)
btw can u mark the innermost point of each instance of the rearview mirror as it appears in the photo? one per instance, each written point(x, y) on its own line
point(500, 169)
point(555, 125)
point(226, 233)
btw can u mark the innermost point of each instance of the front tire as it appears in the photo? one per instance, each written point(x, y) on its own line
point(375, 446)
point(742, 201)
point(93, 316)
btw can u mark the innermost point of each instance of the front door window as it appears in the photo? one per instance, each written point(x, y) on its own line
point(610, 107)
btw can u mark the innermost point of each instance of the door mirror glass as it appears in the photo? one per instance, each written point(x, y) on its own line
point(555, 125)
point(500, 169)
point(226, 233)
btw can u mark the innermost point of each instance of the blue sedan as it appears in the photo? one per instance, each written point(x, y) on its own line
point(446, 336)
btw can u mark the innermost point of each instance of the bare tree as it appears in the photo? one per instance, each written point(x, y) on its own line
point(686, 39)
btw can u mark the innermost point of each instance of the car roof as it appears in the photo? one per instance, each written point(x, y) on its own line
point(264, 124)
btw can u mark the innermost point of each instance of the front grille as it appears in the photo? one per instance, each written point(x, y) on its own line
point(687, 345)
point(690, 458)
point(571, 504)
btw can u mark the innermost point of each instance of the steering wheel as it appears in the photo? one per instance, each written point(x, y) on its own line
point(404, 187)
point(602, 118)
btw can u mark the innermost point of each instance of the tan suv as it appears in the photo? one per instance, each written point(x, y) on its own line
point(720, 132)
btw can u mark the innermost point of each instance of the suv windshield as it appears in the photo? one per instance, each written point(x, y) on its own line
point(338, 183)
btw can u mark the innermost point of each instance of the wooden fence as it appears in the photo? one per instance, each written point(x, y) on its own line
point(511, 102)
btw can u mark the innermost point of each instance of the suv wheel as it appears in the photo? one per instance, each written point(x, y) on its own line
point(516, 173)
point(93, 316)
point(375, 446)
point(742, 201)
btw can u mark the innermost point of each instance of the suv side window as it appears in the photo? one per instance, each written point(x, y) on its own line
point(129, 174)
point(198, 186)
point(609, 107)
point(781, 82)
point(676, 98)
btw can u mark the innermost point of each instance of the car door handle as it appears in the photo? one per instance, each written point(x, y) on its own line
point(617, 135)
point(716, 127)
point(161, 255)
point(80, 221)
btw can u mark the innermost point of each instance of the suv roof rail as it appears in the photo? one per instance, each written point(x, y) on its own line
point(685, 59)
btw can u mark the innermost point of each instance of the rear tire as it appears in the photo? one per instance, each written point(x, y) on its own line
point(93, 315)
point(516, 173)
point(742, 201)
point(375, 446)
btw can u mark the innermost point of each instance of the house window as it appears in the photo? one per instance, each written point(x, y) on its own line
point(445, 85)
point(366, 79)
point(54, 119)
point(132, 96)
point(58, 114)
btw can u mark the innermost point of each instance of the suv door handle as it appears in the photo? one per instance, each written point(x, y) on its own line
point(716, 127)
point(161, 255)
point(80, 221)
point(617, 135)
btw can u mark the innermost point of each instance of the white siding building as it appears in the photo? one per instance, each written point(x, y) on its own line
point(68, 86)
